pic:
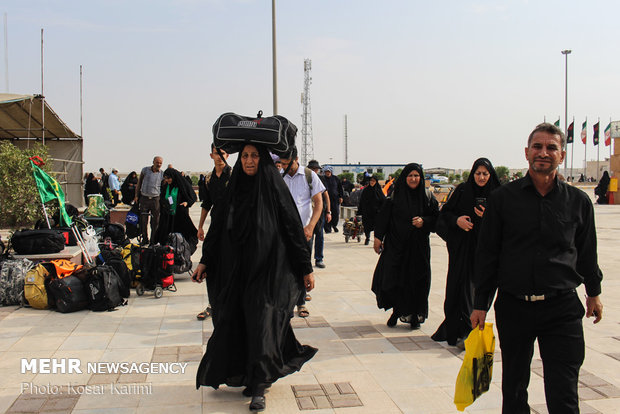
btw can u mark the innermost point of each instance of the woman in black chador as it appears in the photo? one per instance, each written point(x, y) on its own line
point(458, 224)
point(128, 188)
point(601, 189)
point(370, 202)
point(402, 277)
point(176, 197)
point(258, 254)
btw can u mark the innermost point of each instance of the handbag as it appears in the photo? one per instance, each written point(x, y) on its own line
point(476, 372)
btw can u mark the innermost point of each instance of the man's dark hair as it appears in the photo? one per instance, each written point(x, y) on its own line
point(549, 128)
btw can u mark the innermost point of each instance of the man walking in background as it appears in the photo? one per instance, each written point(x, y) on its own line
point(334, 190)
point(115, 187)
point(326, 217)
point(306, 189)
point(213, 192)
point(147, 193)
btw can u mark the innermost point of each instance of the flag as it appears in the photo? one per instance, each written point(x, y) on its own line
point(595, 136)
point(608, 135)
point(570, 134)
point(584, 132)
point(49, 190)
point(557, 123)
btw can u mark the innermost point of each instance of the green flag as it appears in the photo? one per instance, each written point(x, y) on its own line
point(557, 123)
point(49, 190)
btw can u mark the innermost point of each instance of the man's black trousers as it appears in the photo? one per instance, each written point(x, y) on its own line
point(557, 324)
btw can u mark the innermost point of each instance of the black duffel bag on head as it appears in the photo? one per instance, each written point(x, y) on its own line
point(41, 241)
point(231, 132)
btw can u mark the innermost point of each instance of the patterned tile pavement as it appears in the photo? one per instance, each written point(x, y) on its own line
point(362, 365)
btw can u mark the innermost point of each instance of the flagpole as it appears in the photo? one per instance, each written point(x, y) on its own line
point(566, 53)
point(585, 151)
point(572, 152)
point(598, 150)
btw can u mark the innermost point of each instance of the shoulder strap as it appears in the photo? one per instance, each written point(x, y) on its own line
point(308, 173)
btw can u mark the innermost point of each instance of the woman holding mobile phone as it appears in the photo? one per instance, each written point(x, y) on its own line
point(458, 224)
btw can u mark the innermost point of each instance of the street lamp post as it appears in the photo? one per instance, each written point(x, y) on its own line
point(273, 52)
point(566, 53)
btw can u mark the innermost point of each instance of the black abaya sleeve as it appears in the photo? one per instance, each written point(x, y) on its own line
point(448, 211)
point(382, 222)
point(431, 214)
point(296, 244)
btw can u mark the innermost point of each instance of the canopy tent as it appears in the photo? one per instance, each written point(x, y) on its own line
point(29, 118)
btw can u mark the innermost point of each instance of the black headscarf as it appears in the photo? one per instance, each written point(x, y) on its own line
point(251, 197)
point(491, 185)
point(186, 192)
point(412, 202)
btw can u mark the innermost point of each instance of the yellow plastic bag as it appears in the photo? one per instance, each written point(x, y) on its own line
point(476, 372)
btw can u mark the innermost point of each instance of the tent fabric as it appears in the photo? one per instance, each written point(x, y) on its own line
point(20, 117)
point(21, 122)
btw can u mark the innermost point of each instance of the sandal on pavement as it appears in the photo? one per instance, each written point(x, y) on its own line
point(308, 297)
point(204, 314)
point(302, 311)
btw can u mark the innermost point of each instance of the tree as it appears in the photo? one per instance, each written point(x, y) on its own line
point(503, 173)
point(194, 179)
point(348, 175)
point(360, 177)
point(379, 175)
point(465, 175)
point(396, 173)
point(519, 174)
point(21, 203)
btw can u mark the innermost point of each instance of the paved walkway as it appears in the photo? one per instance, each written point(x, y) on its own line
point(362, 365)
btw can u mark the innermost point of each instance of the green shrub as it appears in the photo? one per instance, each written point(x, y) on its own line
point(348, 175)
point(20, 204)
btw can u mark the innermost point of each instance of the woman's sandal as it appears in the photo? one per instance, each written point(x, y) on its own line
point(302, 311)
point(204, 314)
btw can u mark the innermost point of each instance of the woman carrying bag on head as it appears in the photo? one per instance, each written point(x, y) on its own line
point(402, 278)
point(258, 258)
point(458, 224)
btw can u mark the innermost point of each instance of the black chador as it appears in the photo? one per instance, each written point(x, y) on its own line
point(258, 254)
point(461, 246)
point(402, 277)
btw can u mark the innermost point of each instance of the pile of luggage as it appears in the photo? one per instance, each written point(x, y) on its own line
point(113, 266)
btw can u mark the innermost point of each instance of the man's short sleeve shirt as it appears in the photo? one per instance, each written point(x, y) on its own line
point(298, 186)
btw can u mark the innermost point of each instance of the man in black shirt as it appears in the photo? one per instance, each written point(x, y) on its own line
point(213, 194)
point(537, 243)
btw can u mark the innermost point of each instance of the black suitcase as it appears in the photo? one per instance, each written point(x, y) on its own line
point(231, 132)
point(41, 241)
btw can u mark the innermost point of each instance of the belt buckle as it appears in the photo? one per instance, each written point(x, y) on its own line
point(534, 298)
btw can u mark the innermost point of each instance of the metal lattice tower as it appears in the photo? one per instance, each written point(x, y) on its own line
point(307, 142)
point(346, 142)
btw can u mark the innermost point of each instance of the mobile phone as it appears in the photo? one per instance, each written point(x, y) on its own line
point(481, 201)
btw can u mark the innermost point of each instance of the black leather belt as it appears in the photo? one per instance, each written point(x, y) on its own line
point(546, 296)
point(149, 197)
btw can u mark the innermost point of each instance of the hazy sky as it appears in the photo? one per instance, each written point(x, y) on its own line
point(440, 83)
